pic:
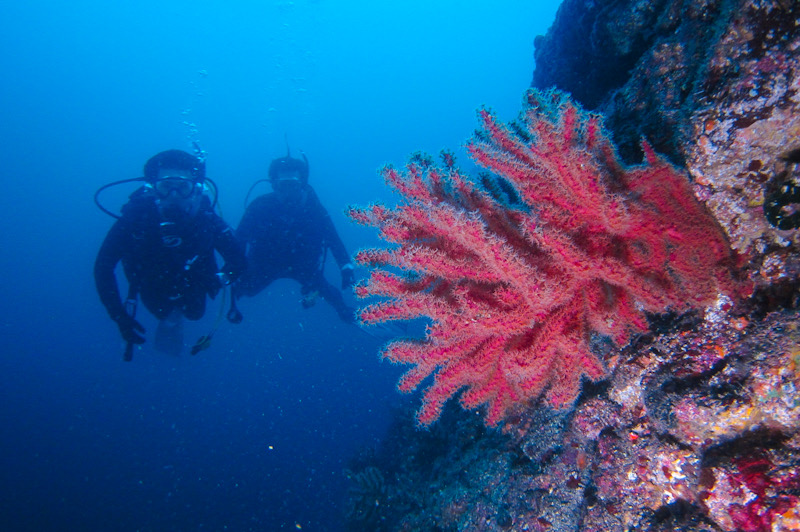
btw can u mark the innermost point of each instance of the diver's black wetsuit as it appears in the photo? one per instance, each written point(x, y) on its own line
point(171, 264)
point(288, 239)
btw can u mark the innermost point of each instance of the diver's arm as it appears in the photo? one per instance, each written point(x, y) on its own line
point(333, 240)
point(335, 244)
point(104, 278)
point(329, 234)
point(232, 251)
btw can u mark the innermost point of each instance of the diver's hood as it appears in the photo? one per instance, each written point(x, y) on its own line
point(287, 166)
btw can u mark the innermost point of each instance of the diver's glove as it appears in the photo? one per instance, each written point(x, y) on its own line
point(128, 327)
point(348, 276)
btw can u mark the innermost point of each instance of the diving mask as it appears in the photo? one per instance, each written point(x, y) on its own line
point(182, 187)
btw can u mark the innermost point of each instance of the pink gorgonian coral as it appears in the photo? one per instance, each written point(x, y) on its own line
point(557, 243)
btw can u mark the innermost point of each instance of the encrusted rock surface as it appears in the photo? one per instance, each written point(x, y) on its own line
point(713, 84)
point(696, 429)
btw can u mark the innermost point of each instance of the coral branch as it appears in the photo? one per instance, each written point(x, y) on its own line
point(516, 284)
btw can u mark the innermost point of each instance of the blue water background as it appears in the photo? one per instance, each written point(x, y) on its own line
point(255, 432)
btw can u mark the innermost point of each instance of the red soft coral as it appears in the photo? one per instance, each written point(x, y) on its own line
point(560, 243)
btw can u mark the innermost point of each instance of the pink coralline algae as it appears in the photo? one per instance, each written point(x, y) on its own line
point(753, 494)
point(517, 275)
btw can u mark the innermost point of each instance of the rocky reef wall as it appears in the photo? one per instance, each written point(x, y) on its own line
point(697, 427)
point(712, 84)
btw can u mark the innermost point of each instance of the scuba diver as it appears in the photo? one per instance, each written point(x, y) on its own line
point(287, 234)
point(166, 239)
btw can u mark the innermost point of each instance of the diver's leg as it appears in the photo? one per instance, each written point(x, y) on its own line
point(334, 297)
point(194, 304)
point(156, 302)
point(169, 334)
point(168, 311)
